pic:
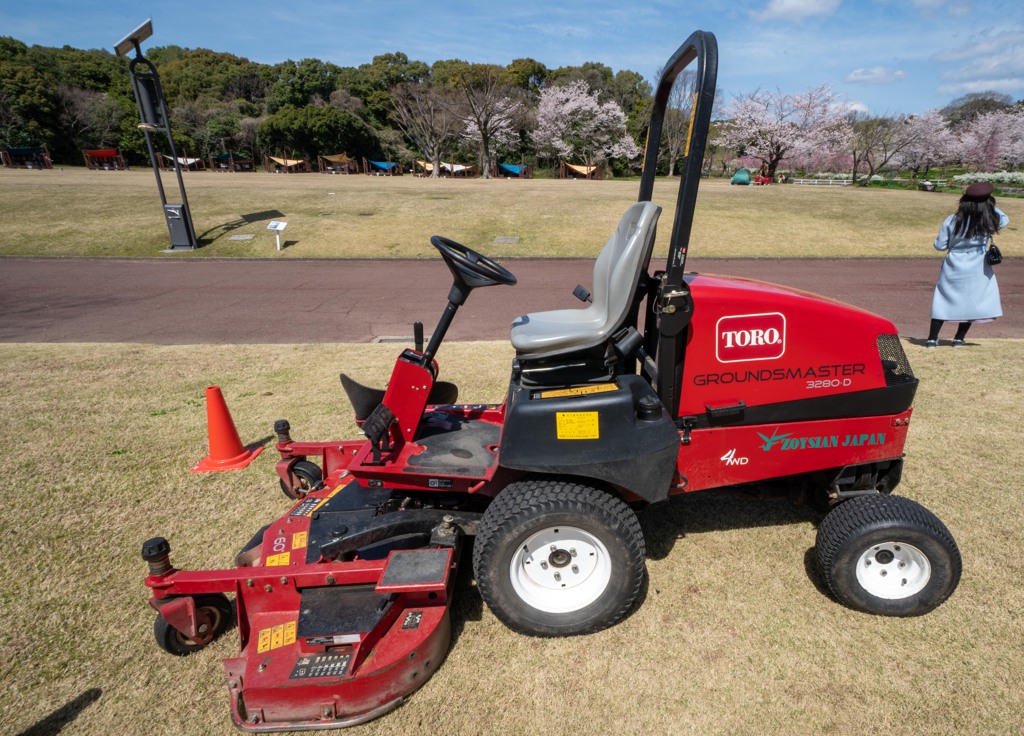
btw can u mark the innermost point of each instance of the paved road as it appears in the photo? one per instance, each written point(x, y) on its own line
point(193, 301)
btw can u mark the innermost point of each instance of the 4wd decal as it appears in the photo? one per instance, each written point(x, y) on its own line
point(730, 458)
point(787, 441)
point(745, 337)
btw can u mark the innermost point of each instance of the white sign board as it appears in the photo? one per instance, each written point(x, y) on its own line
point(277, 226)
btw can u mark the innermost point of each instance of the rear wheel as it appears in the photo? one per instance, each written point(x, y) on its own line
point(217, 609)
point(556, 558)
point(888, 555)
point(309, 475)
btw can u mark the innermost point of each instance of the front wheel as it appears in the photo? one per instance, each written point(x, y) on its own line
point(888, 555)
point(217, 609)
point(556, 558)
point(309, 476)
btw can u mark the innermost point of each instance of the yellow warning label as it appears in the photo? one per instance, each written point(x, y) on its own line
point(299, 540)
point(280, 560)
point(599, 388)
point(276, 637)
point(577, 425)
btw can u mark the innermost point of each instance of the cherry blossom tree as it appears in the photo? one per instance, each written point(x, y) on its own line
point(879, 142)
point(490, 107)
point(572, 124)
point(993, 140)
point(773, 126)
point(932, 144)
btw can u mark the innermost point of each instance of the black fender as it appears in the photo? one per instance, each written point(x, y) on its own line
point(618, 432)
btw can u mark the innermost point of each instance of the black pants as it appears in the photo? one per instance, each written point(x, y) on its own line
point(961, 331)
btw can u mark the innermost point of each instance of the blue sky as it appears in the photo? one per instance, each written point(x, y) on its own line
point(886, 56)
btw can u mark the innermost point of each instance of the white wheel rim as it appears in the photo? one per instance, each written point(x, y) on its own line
point(560, 569)
point(893, 570)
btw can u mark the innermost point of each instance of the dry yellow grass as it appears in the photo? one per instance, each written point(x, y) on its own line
point(111, 213)
point(734, 635)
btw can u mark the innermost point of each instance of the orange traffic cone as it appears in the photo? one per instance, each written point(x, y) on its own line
point(226, 451)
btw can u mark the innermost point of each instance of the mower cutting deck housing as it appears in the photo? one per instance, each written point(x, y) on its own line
point(666, 382)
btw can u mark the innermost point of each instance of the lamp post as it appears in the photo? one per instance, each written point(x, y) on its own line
point(153, 118)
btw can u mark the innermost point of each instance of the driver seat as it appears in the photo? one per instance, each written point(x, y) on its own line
point(541, 335)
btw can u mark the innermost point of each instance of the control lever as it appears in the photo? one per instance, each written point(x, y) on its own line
point(582, 294)
point(627, 342)
point(417, 336)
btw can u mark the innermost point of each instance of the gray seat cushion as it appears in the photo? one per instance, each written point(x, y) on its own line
point(616, 272)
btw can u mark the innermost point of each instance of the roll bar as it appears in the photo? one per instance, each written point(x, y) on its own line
point(669, 302)
point(701, 46)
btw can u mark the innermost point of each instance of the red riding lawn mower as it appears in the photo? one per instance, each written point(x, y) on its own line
point(666, 382)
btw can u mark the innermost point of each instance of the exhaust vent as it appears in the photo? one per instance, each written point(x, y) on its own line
point(894, 361)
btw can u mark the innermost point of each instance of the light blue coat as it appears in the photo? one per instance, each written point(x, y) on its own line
point(967, 288)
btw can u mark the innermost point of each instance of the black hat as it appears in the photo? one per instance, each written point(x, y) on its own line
point(979, 191)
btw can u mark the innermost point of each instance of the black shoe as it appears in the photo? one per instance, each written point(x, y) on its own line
point(958, 343)
point(931, 344)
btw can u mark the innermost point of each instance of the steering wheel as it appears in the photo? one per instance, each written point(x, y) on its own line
point(470, 268)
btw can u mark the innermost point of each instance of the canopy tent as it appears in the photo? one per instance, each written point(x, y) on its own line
point(231, 162)
point(36, 157)
point(280, 165)
point(742, 176)
point(576, 171)
point(448, 169)
point(339, 163)
point(104, 158)
point(184, 162)
point(513, 171)
point(381, 168)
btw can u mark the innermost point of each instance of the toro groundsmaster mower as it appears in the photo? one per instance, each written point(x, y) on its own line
point(664, 382)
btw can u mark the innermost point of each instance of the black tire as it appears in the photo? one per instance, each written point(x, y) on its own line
point(887, 555)
point(309, 475)
point(172, 641)
point(557, 558)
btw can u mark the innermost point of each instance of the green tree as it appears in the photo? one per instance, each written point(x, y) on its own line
point(313, 130)
point(297, 84)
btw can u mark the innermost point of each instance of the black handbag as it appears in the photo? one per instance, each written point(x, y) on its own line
point(993, 256)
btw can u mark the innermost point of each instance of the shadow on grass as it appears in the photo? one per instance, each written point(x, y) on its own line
point(711, 511)
point(228, 227)
point(55, 722)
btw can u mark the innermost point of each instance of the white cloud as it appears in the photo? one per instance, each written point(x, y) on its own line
point(797, 10)
point(995, 63)
point(875, 75)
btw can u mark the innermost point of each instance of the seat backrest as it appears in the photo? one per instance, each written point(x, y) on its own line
point(617, 267)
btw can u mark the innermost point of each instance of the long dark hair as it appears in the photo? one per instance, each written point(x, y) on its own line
point(976, 219)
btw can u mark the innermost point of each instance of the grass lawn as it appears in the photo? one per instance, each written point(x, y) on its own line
point(734, 635)
point(116, 213)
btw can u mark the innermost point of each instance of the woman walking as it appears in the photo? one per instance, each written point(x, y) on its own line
point(967, 291)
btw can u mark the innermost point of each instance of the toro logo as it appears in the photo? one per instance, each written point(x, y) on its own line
point(746, 337)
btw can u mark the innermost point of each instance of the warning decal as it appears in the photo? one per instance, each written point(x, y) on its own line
point(577, 425)
point(276, 637)
point(280, 560)
point(299, 540)
point(321, 665)
point(579, 391)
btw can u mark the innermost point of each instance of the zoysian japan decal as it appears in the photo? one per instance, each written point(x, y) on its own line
point(745, 337)
point(787, 441)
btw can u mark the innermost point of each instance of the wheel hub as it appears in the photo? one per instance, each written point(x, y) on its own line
point(560, 569)
point(893, 570)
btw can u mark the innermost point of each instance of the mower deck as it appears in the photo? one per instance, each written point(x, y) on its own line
point(338, 623)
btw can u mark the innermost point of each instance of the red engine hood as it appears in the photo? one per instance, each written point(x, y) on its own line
point(762, 343)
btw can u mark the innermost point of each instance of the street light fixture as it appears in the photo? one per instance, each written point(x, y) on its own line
point(153, 118)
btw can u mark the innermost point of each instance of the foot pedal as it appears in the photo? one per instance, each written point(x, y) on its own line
point(419, 570)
